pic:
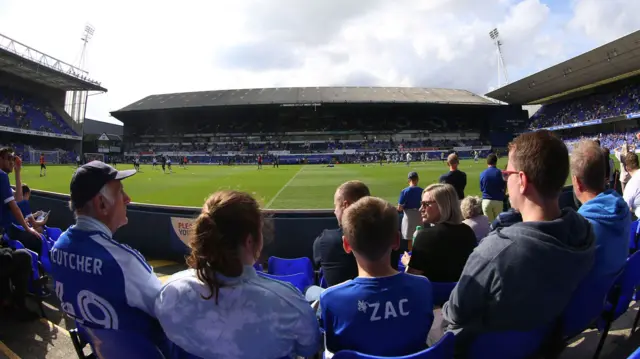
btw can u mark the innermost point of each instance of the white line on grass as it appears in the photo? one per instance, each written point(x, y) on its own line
point(283, 187)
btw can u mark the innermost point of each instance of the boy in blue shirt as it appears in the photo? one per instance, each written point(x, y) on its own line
point(409, 203)
point(381, 312)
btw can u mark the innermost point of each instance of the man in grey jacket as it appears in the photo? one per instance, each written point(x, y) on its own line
point(522, 277)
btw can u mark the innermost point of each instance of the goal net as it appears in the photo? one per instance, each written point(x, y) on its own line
point(94, 157)
point(49, 157)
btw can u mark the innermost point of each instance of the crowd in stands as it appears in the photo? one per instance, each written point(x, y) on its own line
point(21, 110)
point(624, 101)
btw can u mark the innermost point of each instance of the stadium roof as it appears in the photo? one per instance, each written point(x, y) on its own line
point(28, 63)
point(612, 60)
point(305, 95)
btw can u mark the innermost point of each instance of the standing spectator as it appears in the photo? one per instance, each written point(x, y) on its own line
point(620, 154)
point(328, 252)
point(607, 212)
point(631, 192)
point(440, 252)
point(536, 264)
point(88, 264)
point(471, 208)
point(222, 308)
point(492, 186)
point(381, 312)
point(455, 177)
point(409, 204)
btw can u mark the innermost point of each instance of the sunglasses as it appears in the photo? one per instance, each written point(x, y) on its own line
point(506, 174)
point(427, 203)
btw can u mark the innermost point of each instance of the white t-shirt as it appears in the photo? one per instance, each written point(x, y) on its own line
point(631, 193)
point(408, 157)
point(624, 175)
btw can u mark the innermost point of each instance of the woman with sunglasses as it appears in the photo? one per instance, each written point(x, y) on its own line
point(441, 251)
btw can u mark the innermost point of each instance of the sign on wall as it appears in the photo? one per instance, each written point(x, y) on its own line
point(182, 228)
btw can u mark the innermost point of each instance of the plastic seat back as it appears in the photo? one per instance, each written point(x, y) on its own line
point(441, 292)
point(443, 349)
point(587, 304)
point(634, 236)
point(283, 266)
point(116, 344)
point(626, 283)
point(635, 355)
point(53, 233)
point(509, 344)
point(298, 280)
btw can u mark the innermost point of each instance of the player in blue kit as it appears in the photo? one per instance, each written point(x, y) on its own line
point(381, 312)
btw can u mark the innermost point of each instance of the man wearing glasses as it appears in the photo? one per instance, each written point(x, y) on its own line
point(535, 264)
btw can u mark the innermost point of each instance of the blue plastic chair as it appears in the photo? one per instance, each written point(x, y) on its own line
point(283, 266)
point(258, 267)
point(634, 236)
point(113, 344)
point(587, 304)
point(322, 282)
point(53, 233)
point(635, 355)
point(298, 280)
point(443, 349)
point(619, 298)
point(441, 292)
point(509, 344)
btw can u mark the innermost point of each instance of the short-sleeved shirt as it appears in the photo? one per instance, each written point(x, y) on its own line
point(492, 184)
point(388, 316)
point(254, 318)
point(441, 251)
point(457, 179)
point(410, 197)
point(103, 283)
point(631, 193)
point(6, 195)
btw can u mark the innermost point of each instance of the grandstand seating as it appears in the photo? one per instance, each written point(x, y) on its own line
point(23, 111)
point(114, 344)
point(282, 266)
point(443, 349)
point(298, 280)
point(597, 106)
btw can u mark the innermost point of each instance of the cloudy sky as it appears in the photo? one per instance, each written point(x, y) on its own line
point(144, 47)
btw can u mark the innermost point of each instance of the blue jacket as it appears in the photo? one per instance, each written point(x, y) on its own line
point(492, 184)
point(610, 218)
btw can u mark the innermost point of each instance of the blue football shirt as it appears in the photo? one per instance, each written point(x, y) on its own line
point(388, 316)
point(411, 197)
point(6, 195)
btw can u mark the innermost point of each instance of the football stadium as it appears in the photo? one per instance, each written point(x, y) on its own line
point(282, 162)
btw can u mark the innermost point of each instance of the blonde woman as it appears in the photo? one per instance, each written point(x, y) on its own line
point(441, 251)
point(471, 208)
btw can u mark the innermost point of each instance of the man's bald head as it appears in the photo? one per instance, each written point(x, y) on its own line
point(588, 165)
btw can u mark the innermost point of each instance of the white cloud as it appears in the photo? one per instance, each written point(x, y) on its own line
point(145, 47)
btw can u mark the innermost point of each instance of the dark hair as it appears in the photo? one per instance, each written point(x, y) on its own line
point(492, 159)
point(588, 165)
point(370, 226)
point(353, 190)
point(631, 161)
point(219, 232)
point(5, 151)
point(25, 189)
point(544, 158)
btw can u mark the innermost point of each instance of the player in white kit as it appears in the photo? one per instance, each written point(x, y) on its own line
point(408, 158)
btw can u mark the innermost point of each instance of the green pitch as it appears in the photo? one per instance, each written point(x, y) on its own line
point(287, 187)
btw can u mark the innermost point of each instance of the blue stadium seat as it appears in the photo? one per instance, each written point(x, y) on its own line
point(113, 344)
point(443, 349)
point(619, 298)
point(53, 233)
point(258, 267)
point(635, 355)
point(587, 304)
point(510, 344)
point(634, 233)
point(298, 280)
point(441, 292)
point(283, 266)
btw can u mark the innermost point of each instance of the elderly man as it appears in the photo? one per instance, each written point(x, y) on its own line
point(100, 282)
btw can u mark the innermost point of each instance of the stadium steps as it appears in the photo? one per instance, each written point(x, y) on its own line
point(49, 338)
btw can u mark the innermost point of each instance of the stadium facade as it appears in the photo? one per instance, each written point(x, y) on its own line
point(317, 122)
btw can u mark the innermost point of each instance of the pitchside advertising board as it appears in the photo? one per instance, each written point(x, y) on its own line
point(181, 228)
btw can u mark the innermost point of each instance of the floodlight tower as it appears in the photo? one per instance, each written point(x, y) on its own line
point(495, 36)
point(86, 36)
point(76, 101)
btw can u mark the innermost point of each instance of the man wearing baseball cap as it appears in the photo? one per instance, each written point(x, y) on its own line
point(100, 282)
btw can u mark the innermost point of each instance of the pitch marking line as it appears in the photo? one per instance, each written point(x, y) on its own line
point(283, 187)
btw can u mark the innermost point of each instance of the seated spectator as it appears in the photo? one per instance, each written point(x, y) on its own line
point(522, 277)
point(89, 267)
point(328, 252)
point(492, 186)
point(409, 204)
point(15, 273)
point(220, 307)
point(506, 219)
point(32, 219)
point(631, 192)
point(471, 209)
point(28, 236)
point(607, 212)
point(381, 312)
point(455, 177)
point(440, 251)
